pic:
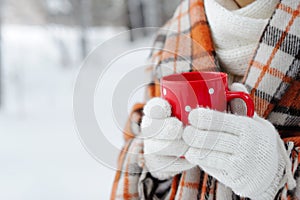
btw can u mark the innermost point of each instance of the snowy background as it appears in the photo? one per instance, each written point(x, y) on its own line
point(43, 45)
point(40, 153)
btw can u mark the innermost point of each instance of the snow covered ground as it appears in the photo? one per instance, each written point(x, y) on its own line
point(41, 156)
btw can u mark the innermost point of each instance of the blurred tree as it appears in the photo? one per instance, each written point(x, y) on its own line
point(145, 13)
point(55, 9)
point(135, 16)
point(84, 21)
point(66, 12)
point(78, 12)
point(59, 7)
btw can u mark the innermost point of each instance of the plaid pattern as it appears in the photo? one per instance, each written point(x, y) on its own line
point(273, 73)
point(185, 44)
point(130, 161)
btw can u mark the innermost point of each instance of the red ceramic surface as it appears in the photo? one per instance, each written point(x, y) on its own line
point(190, 90)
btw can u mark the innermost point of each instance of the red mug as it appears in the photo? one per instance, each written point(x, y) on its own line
point(190, 90)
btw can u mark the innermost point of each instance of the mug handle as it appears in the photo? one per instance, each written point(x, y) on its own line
point(245, 97)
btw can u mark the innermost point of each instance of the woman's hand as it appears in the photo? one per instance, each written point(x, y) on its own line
point(246, 154)
point(163, 144)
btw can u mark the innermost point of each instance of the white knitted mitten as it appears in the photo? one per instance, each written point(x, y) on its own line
point(163, 144)
point(223, 192)
point(245, 154)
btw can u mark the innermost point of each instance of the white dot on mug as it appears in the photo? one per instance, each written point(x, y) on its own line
point(164, 91)
point(211, 90)
point(188, 108)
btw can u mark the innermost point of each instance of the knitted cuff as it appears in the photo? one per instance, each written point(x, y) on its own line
point(223, 192)
point(277, 183)
point(283, 175)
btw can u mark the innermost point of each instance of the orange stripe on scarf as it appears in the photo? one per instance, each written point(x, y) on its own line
point(174, 187)
point(204, 187)
point(274, 72)
point(267, 66)
point(181, 185)
point(119, 172)
point(177, 38)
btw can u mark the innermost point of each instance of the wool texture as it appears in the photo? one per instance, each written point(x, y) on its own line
point(236, 32)
point(272, 77)
point(163, 143)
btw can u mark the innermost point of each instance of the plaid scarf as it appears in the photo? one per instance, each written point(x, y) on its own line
point(185, 44)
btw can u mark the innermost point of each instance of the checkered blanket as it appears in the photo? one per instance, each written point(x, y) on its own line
point(185, 44)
